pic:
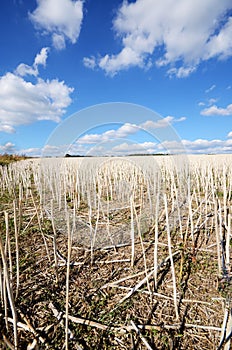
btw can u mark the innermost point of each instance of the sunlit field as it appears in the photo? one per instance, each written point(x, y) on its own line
point(116, 253)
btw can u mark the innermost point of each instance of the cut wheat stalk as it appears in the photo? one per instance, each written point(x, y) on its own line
point(217, 237)
point(5, 301)
point(122, 329)
point(159, 295)
point(171, 259)
point(9, 293)
point(28, 327)
point(156, 237)
point(54, 242)
point(144, 340)
point(113, 261)
point(7, 342)
point(148, 276)
point(67, 281)
point(226, 329)
point(141, 242)
point(40, 227)
point(60, 317)
point(16, 227)
point(124, 279)
point(91, 229)
point(132, 231)
point(228, 238)
point(1, 284)
point(8, 246)
point(228, 338)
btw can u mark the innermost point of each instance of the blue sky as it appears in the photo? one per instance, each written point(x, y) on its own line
point(173, 57)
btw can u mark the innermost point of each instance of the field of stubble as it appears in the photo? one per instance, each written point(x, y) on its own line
point(116, 253)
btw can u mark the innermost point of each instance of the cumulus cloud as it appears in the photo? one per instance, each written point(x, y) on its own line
point(23, 102)
point(208, 103)
point(128, 129)
point(214, 110)
point(58, 41)
point(212, 101)
point(181, 72)
point(198, 146)
point(60, 20)
point(23, 70)
point(104, 143)
point(125, 59)
point(8, 147)
point(220, 44)
point(124, 131)
point(130, 148)
point(32, 152)
point(7, 128)
point(161, 123)
point(180, 38)
point(40, 59)
point(208, 146)
point(89, 62)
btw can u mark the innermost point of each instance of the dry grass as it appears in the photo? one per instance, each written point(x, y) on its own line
point(6, 158)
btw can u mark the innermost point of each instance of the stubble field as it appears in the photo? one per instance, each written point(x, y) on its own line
point(116, 253)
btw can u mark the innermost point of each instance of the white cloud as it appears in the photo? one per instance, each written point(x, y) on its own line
point(161, 123)
point(9, 147)
point(214, 110)
point(212, 101)
point(171, 147)
point(130, 148)
point(212, 87)
point(90, 139)
point(125, 59)
point(31, 152)
point(89, 62)
point(198, 146)
point(128, 129)
point(23, 102)
point(61, 19)
point(54, 151)
point(177, 34)
point(208, 146)
point(109, 135)
point(220, 44)
point(181, 72)
point(58, 41)
point(24, 69)
point(208, 102)
point(7, 128)
point(181, 119)
point(40, 59)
